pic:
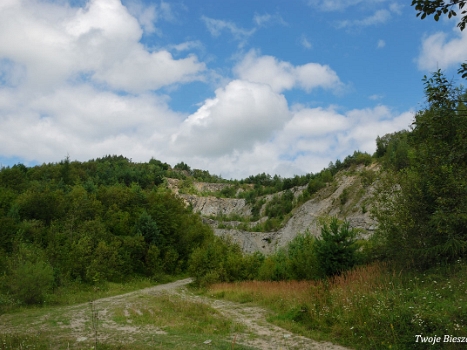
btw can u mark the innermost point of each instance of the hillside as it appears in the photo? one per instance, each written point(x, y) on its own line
point(347, 196)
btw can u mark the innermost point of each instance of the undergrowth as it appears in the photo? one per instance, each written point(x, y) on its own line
point(369, 307)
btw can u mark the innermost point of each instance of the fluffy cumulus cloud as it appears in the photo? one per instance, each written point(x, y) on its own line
point(54, 43)
point(79, 81)
point(308, 140)
point(241, 115)
point(443, 51)
point(280, 75)
point(62, 73)
point(313, 136)
point(84, 122)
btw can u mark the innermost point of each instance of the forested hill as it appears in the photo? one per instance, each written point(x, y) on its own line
point(105, 219)
point(111, 218)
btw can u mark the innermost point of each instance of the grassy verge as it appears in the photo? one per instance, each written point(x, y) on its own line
point(75, 292)
point(370, 307)
point(140, 321)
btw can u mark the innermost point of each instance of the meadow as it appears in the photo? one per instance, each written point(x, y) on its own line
point(369, 307)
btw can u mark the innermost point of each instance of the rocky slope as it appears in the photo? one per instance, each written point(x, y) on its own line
point(347, 197)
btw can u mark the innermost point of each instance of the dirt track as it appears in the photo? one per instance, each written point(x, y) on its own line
point(258, 334)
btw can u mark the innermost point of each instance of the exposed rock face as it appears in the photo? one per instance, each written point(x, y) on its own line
point(212, 206)
point(347, 198)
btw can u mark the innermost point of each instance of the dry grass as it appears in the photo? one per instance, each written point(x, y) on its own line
point(370, 307)
point(362, 279)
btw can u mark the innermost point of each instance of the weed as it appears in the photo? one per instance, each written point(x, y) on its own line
point(369, 307)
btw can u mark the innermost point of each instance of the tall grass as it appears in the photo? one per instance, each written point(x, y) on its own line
point(369, 307)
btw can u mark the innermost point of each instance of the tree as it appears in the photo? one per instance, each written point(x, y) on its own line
point(439, 8)
point(422, 211)
point(336, 248)
point(147, 227)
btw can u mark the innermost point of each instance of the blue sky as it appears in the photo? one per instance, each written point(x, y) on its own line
point(233, 87)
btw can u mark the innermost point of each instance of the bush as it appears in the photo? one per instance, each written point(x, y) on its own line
point(30, 281)
point(336, 248)
point(275, 267)
point(315, 185)
point(219, 260)
point(302, 261)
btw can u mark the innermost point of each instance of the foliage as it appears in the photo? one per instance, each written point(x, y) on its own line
point(437, 8)
point(182, 166)
point(368, 307)
point(393, 150)
point(103, 220)
point(280, 205)
point(29, 276)
point(221, 260)
point(422, 208)
point(336, 248)
point(297, 261)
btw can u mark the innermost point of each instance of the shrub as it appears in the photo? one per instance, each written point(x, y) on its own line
point(30, 281)
point(302, 260)
point(336, 248)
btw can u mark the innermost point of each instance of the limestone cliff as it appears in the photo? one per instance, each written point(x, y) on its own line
point(347, 197)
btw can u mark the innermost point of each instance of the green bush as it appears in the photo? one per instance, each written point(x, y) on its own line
point(279, 206)
point(302, 259)
point(275, 267)
point(315, 185)
point(29, 281)
point(336, 248)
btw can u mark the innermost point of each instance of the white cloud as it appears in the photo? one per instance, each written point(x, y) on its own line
point(57, 43)
point(149, 15)
point(305, 42)
point(441, 51)
point(369, 123)
point(379, 17)
point(381, 43)
point(375, 97)
point(340, 5)
point(84, 122)
point(142, 71)
point(396, 8)
point(280, 75)
point(187, 45)
point(216, 26)
point(263, 20)
point(241, 114)
point(333, 5)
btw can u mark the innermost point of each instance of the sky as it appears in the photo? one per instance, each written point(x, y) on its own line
point(233, 87)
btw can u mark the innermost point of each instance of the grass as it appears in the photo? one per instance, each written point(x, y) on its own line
point(75, 293)
point(370, 307)
point(140, 321)
point(188, 322)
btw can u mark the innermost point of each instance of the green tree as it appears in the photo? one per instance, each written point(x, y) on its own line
point(29, 276)
point(302, 260)
point(336, 248)
point(393, 150)
point(147, 227)
point(438, 8)
point(422, 210)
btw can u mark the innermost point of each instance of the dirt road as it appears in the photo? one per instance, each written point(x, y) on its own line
point(116, 326)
